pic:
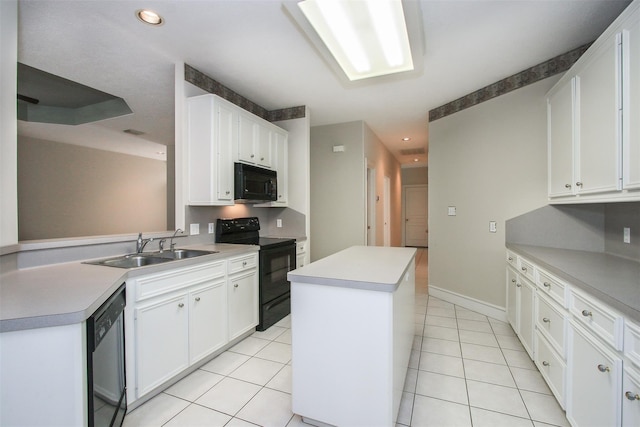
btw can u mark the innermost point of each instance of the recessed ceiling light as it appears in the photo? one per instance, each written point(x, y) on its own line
point(415, 160)
point(160, 152)
point(406, 138)
point(149, 17)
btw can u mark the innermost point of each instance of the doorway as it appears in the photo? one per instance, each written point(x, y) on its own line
point(416, 213)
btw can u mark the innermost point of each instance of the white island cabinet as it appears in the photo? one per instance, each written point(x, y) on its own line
point(352, 323)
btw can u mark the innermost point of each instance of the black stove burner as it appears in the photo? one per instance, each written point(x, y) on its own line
point(244, 231)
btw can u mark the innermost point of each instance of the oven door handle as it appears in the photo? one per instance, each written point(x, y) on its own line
point(282, 298)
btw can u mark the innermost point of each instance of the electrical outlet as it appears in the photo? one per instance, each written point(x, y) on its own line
point(451, 211)
point(279, 223)
point(211, 229)
point(194, 229)
point(626, 235)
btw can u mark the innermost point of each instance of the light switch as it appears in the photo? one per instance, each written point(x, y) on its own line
point(194, 229)
point(451, 211)
point(492, 226)
point(279, 223)
point(211, 229)
point(626, 235)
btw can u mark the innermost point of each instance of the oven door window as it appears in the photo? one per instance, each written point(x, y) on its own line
point(274, 266)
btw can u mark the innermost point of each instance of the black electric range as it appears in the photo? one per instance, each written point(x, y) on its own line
point(277, 258)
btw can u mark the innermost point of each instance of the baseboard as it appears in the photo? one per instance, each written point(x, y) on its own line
point(490, 310)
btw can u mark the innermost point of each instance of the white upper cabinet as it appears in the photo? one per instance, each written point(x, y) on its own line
point(631, 103)
point(592, 112)
point(254, 145)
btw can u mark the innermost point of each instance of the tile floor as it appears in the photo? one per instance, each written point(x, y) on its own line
point(465, 370)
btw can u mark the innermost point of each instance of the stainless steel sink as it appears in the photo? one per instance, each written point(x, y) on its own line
point(142, 259)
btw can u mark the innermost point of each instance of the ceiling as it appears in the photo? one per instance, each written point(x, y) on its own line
point(255, 48)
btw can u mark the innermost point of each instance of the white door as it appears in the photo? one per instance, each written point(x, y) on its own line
point(371, 207)
point(416, 231)
point(387, 211)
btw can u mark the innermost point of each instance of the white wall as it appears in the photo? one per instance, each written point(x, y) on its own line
point(8, 122)
point(490, 162)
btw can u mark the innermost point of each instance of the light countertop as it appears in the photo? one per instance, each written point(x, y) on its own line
point(361, 267)
point(68, 293)
point(612, 279)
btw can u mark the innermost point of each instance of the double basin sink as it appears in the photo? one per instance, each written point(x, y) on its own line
point(150, 258)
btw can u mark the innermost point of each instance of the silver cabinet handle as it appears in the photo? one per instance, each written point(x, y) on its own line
point(603, 368)
point(253, 155)
point(587, 313)
point(510, 258)
point(524, 269)
point(546, 320)
point(567, 186)
point(629, 395)
point(513, 280)
point(261, 158)
point(197, 298)
point(579, 184)
point(244, 263)
point(545, 363)
point(181, 305)
point(235, 286)
point(227, 192)
point(546, 285)
point(519, 285)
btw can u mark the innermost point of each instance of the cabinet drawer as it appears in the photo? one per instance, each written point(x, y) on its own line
point(553, 287)
point(241, 263)
point(598, 319)
point(526, 269)
point(512, 259)
point(552, 367)
point(301, 247)
point(170, 280)
point(630, 395)
point(632, 343)
point(552, 323)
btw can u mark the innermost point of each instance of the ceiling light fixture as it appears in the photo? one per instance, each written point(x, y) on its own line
point(406, 139)
point(368, 38)
point(149, 17)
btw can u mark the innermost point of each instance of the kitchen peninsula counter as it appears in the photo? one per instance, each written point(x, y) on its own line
point(352, 320)
point(68, 293)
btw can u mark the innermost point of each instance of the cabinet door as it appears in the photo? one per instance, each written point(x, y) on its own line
point(631, 398)
point(560, 141)
point(162, 342)
point(227, 135)
point(631, 104)
point(598, 154)
point(246, 138)
point(595, 375)
point(526, 320)
point(207, 320)
point(243, 303)
point(279, 144)
point(512, 298)
point(263, 146)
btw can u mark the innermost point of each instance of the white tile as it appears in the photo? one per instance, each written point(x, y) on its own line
point(441, 364)
point(484, 418)
point(480, 338)
point(436, 345)
point(257, 371)
point(225, 363)
point(270, 334)
point(269, 408)
point(410, 380)
point(510, 342)
point(419, 317)
point(439, 311)
point(276, 351)
point(544, 408)
point(229, 395)
point(436, 302)
point(296, 421)
point(417, 342)
point(488, 373)
point(414, 359)
point(156, 411)
point(194, 385)
point(196, 415)
point(419, 329)
point(497, 398)
point(285, 337)
point(237, 422)
point(446, 322)
point(474, 325)
point(430, 412)
point(501, 328)
point(282, 380)
point(285, 322)
point(519, 359)
point(406, 408)
point(445, 387)
point(249, 346)
point(482, 353)
point(441, 333)
point(463, 313)
point(528, 379)
point(420, 308)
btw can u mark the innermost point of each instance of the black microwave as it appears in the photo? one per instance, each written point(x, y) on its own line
point(253, 184)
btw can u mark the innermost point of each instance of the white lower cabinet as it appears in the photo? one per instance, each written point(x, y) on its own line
point(631, 397)
point(595, 381)
point(243, 297)
point(520, 303)
point(552, 367)
point(527, 295)
point(207, 320)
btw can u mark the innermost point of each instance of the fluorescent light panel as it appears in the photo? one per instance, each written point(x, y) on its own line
point(368, 38)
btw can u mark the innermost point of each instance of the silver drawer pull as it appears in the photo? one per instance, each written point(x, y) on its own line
point(510, 258)
point(519, 285)
point(545, 363)
point(227, 192)
point(524, 269)
point(629, 395)
point(546, 320)
point(235, 286)
point(587, 313)
point(513, 280)
point(181, 305)
point(546, 285)
point(578, 184)
point(567, 186)
point(244, 263)
point(603, 368)
point(197, 298)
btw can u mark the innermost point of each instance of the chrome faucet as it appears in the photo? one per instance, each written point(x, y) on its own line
point(141, 243)
point(172, 245)
point(161, 245)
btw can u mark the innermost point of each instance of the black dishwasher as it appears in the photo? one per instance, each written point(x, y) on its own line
point(107, 399)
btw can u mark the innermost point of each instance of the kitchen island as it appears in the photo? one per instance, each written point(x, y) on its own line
point(352, 322)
